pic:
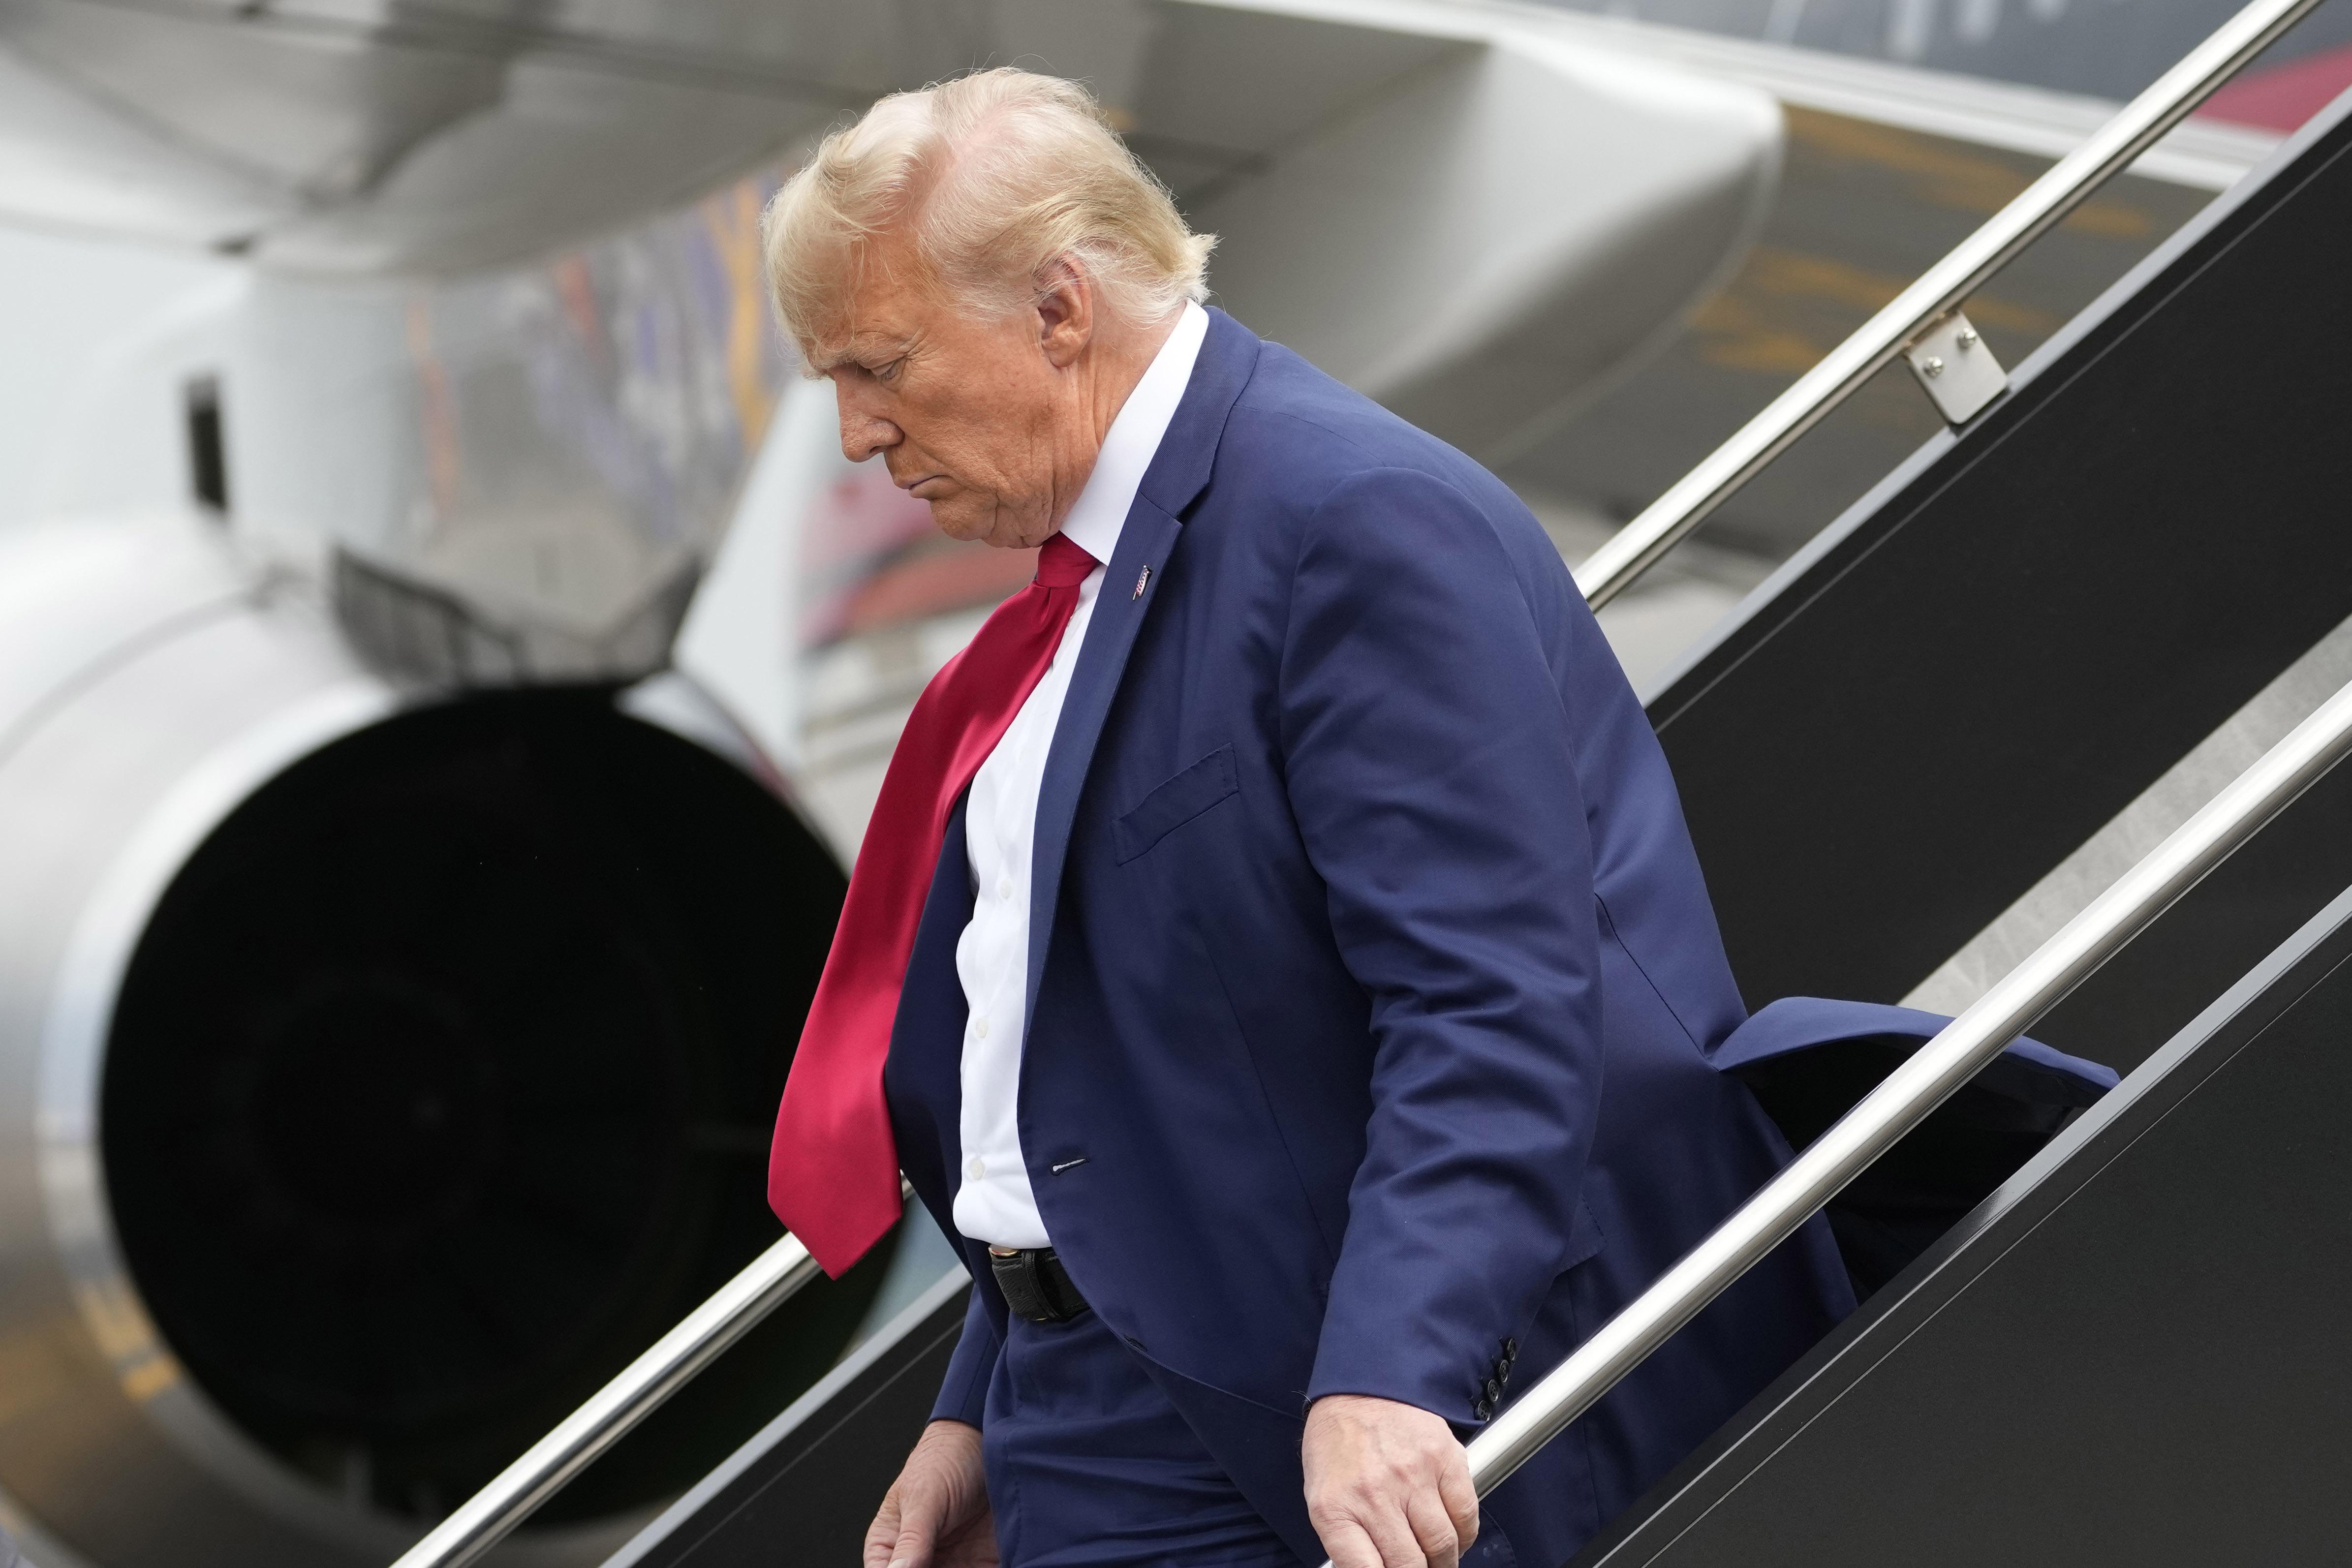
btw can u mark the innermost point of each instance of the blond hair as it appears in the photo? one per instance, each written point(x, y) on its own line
point(999, 175)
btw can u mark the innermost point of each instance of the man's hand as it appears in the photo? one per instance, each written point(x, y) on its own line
point(936, 1514)
point(1387, 1486)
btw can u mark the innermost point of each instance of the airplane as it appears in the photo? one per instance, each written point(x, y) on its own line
point(445, 663)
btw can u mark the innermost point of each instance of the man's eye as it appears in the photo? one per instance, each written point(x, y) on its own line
point(889, 372)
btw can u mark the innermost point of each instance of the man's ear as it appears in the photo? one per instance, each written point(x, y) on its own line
point(1066, 303)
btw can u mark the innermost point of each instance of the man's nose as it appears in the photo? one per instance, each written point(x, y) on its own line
point(863, 432)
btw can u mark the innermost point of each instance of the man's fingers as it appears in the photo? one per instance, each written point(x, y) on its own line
point(912, 1550)
point(1433, 1530)
point(919, 1512)
point(1348, 1544)
point(1392, 1531)
point(941, 1488)
point(1460, 1499)
point(1389, 1474)
point(882, 1535)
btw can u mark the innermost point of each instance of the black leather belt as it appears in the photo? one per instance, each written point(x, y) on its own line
point(1035, 1285)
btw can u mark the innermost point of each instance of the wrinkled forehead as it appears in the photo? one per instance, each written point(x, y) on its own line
point(877, 295)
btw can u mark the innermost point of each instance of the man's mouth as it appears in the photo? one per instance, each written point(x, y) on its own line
point(914, 487)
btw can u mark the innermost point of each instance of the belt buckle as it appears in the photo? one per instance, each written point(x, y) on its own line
point(1026, 1277)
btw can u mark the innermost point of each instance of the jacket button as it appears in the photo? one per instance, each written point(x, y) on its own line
point(1510, 1350)
point(1494, 1390)
point(1481, 1409)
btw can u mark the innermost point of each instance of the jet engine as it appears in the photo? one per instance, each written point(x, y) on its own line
point(378, 1071)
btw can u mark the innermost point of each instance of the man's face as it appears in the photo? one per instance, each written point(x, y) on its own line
point(974, 414)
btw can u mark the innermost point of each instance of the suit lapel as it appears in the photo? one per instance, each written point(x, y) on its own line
point(1178, 472)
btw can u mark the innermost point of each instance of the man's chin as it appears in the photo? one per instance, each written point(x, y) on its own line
point(956, 519)
point(960, 520)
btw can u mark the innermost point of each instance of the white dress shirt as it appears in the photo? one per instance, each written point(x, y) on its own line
point(995, 1205)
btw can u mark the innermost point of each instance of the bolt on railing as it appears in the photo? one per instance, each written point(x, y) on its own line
point(1638, 546)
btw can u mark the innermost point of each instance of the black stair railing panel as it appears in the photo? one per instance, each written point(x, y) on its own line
point(2022, 630)
point(2254, 901)
point(805, 1492)
point(2133, 1354)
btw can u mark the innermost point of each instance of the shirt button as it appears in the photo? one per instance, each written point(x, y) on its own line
point(978, 1168)
point(1005, 887)
point(980, 1029)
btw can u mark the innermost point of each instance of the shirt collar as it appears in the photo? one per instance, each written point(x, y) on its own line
point(1134, 438)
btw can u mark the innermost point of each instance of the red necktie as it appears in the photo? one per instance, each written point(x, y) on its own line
point(833, 1170)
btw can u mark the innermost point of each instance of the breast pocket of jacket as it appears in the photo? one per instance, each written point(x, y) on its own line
point(1175, 802)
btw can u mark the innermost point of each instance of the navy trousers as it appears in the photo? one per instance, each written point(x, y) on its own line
point(1089, 1466)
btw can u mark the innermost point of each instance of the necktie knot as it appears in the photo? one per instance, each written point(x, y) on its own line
point(1063, 563)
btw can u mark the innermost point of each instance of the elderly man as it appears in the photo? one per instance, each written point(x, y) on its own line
point(1277, 957)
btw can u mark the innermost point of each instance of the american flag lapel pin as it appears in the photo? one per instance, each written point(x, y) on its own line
point(1141, 578)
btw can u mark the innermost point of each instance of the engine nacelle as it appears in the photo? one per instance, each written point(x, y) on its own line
point(378, 1072)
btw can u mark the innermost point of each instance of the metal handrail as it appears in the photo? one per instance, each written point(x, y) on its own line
point(1914, 1089)
point(1636, 546)
point(486, 1518)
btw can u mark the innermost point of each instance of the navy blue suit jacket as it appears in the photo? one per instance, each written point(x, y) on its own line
point(1374, 986)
